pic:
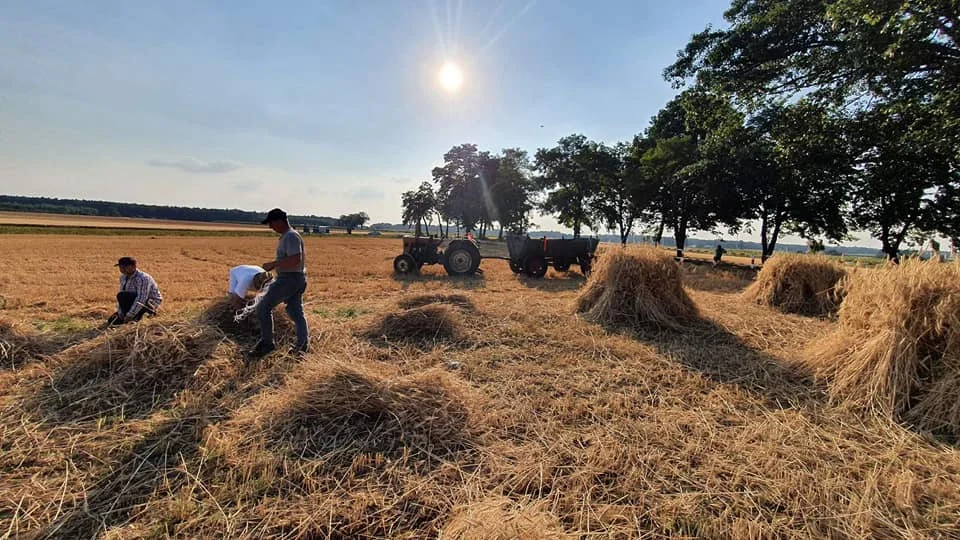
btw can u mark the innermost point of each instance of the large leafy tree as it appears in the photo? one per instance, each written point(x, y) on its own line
point(566, 173)
point(460, 193)
point(419, 207)
point(621, 182)
point(512, 191)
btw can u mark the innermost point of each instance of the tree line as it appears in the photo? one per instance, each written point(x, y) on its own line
point(842, 116)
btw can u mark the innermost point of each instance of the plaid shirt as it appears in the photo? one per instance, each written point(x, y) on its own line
point(148, 294)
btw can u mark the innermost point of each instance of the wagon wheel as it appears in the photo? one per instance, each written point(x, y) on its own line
point(561, 266)
point(405, 264)
point(535, 266)
point(516, 267)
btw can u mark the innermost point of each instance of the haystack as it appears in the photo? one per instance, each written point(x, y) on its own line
point(423, 326)
point(128, 371)
point(802, 284)
point(636, 287)
point(18, 345)
point(896, 350)
point(499, 518)
point(335, 409)
point(222, 315)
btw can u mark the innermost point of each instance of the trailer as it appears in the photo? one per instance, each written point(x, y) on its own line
point(533, 256)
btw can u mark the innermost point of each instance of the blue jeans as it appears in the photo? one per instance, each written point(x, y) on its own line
point(287, 288)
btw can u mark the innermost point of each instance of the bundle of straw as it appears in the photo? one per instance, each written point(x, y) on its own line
point(330, 408)
point(897, 348)
point(423, 326)
point(636, 287)
point(224, 316)
point(17, 345)
point(129, 370)
point(499, 518)
point(794, 283)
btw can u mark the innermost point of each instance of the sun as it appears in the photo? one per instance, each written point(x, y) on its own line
point(451, 77)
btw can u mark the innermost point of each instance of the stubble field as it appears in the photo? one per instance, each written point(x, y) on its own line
point(513, 418)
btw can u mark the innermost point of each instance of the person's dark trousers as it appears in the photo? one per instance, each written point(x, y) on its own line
point(125, 300)
point(287, 288)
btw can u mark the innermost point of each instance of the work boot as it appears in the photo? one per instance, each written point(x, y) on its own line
point(262, 349)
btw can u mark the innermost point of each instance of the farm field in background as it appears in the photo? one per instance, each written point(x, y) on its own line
point(522, 419)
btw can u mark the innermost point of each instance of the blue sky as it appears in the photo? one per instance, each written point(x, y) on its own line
point(318, 107)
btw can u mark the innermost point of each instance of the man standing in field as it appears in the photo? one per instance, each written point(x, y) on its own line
point(138, 294)
point(288, 288)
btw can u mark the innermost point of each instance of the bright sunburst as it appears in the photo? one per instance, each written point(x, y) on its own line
point(451, 77)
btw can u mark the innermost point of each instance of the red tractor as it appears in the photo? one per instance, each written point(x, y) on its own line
point(459, 257)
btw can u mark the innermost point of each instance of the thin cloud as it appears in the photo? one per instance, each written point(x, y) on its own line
point(193, 165)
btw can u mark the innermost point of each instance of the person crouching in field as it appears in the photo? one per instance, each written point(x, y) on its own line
point(139, 294)
point(288, 288)
point(246, 278)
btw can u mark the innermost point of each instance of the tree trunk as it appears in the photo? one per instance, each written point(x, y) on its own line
point(500, 234)
point(576, 228)
point(680, 236)
point(764, 244)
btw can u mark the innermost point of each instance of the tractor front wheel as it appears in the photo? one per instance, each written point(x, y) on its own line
point(462, 258)
point(405, 264)
point(535, 266)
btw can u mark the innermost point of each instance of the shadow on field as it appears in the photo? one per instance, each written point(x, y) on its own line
point(457, 282)
point(568, 281)
point(131, 481)
point(722, 357)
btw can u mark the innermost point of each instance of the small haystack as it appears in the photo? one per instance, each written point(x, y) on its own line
point(222, 315)
point(334, 410)
point(897, 348)
point(638, 286)
point(129, 370)
point(423, 326)
point(18, 345)
point(794, 283)
point(499, 518)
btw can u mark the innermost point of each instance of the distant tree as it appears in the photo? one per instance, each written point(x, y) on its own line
point(419, 207)
point(353, 221)
point(620, 187)
point(565, 173)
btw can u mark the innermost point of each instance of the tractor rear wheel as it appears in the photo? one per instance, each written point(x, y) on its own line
point(462, 258)
point(535, 266)
point(586, 265)
point(405, 264)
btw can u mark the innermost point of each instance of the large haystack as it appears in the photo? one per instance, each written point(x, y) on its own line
point(793, 283)
point(499, 518)
point(638, 286)
point(897, 348)
point(423, 326)
point(222, 315)
point(128, 371)
point(334, 410)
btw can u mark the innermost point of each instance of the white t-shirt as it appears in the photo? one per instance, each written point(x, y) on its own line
point(241, 278)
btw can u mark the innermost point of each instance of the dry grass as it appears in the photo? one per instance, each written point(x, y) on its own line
point(222, 315)
point(499, 518)
point(636, 287)
point(424, 326)
point(545, 425)
point(801, 284)
point(18, 345)
point(896, 350)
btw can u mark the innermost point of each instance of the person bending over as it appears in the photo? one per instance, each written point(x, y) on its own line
point(246, 278)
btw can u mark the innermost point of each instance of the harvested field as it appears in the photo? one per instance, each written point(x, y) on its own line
point(545, 426)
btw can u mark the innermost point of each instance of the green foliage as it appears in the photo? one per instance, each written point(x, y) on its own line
point(419, 206)
point(353, 221)
point(567, 172)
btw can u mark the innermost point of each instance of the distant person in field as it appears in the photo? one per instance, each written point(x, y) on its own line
point(139, 294)
point(718, 254)
point(288, 288)
point(244, 279)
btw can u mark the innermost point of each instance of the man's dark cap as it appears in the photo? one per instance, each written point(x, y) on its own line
point(126, 261)
point(275, 215)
